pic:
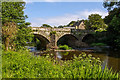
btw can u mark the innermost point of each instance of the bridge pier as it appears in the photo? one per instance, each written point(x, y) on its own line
point(53, 42)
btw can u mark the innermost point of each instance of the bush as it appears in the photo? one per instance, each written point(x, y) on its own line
point(64, 47)
point(25, 65)
point(3, 46)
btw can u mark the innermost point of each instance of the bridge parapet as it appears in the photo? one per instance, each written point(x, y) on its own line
point(61, 29)
point(51, 29)
point(81, 30)
point(40, 29)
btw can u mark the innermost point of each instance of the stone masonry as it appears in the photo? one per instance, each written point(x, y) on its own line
point(60, 32)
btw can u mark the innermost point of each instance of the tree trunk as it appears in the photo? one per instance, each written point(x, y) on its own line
point(6, 43)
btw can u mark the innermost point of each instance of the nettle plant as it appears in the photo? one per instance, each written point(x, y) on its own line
point(23, 64)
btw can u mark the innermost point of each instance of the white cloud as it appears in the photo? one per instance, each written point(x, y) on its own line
point(66, 18)
point(86, 13)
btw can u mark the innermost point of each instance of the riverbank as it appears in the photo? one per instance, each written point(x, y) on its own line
point(111, 58)
point(23, 65)
point(87, 49)
point(73, 50)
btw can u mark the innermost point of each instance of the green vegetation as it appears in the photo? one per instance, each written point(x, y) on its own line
point(71, 23)
point(37, 43)
point(23, 64)
point(95, 22)
point(98, 44)
point(15, 31)
point(9, 30)
point(64, 47)
point(13, 12)
point(23, 36)
point(52, 32)
point(96, 37)
point(60, 26)
point(46, 25)
point(113, 21)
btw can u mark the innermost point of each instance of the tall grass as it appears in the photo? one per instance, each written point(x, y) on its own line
point(25, 65)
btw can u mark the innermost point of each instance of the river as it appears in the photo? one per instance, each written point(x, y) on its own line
point(111, 58)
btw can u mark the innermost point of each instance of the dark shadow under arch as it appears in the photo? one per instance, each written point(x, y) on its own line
point(67, 39)
point(43, 42)
point(89, 38)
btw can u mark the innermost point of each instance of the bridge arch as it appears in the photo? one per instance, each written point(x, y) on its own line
point(88, 38)
point(67, 39)
point(43, 41)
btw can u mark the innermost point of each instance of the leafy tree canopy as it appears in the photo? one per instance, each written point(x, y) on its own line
point(13, 12)
point(111, 5)
point(95, 22)
point(113, 21)
point(45, 25)
point(71, 23)
point(8, 30)
point(60, 26)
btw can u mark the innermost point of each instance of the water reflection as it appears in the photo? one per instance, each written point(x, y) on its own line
point(105, 61)
point(109, 60)
point(112, 59)
point(58, 55)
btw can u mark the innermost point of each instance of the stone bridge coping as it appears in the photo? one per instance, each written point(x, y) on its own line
point(51, 29)
point(59, 29)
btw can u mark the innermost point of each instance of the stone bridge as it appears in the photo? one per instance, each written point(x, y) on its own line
point(50, 36)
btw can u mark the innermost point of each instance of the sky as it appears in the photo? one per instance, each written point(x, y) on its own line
point(61, 13)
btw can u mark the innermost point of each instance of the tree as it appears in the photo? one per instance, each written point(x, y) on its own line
point(14, 12)
point(111, 5)
point(45, 25)
point(114, 30)
point(23, 36)
point(95, 22)
point(87, 25)
point(113, 22)
point(60, 26)
point(55, 26)
point(8, 31)
point(71, 23)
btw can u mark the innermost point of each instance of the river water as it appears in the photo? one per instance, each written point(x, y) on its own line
point(111, 58)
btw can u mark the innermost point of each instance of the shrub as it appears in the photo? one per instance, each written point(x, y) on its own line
point(64, 47)
point(23, 64)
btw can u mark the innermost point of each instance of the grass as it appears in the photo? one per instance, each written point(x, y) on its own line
point(23, 64)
